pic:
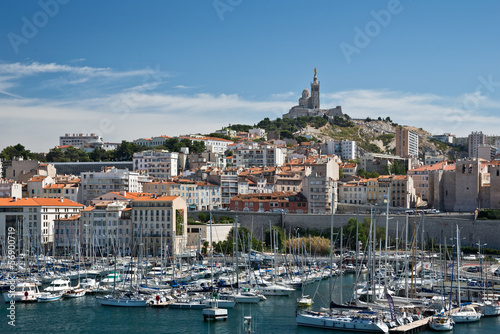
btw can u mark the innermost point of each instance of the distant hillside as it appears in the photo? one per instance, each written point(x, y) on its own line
point(375, 136)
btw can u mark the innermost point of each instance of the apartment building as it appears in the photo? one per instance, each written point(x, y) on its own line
point(33, 219)
point(94, 184)
point(406, 143)
point(158, 164)
point(198, 195)
point(160, 223)
point(79, 139)
point(474, 140)
point(254, 155)
point(286, 202)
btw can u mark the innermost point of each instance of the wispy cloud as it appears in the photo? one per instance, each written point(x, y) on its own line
point(129, 109)
point(283, 96)
point(58, 76)
point(77, 60)
point(434, 113)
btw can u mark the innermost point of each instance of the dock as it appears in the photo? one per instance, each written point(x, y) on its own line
point(416, 326)
point(412, 327)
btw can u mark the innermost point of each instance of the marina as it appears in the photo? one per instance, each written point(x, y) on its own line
point(276, 314)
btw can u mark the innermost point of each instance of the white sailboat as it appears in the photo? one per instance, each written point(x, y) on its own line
point(213, 312)
point(441, 323)
point(345, 321)
point(466, 312)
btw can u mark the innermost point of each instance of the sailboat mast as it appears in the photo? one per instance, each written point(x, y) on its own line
point(331, 257)
point(341, 260)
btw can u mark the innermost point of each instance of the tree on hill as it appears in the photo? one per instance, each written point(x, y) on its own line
point(175, 145)
point(219, 135)
point(70, 154)
point(241, 127)
point(126, 150)
point(18, 150)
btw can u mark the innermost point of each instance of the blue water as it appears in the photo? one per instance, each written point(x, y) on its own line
point(275, 315)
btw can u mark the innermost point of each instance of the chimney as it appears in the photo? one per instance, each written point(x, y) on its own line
point(61, 199)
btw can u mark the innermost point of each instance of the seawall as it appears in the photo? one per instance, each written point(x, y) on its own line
point(436, 226)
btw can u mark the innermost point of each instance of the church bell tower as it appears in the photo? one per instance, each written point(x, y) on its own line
point(314, 101)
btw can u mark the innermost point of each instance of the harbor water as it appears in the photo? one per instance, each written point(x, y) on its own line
point(275, 315)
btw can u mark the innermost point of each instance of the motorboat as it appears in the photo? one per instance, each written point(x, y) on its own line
point(441, 323)
point(46, 297)
point(23, 292)
point(58, 285)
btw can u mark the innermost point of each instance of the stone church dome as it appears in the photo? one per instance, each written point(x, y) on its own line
point(306, 94)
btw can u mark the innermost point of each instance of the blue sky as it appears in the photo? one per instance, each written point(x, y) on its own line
point(130, 69)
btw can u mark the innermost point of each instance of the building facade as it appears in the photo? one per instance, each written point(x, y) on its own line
point(79, 139)
point(474, 140)
point(158, 164)
point(406, 143)
point(94, 184)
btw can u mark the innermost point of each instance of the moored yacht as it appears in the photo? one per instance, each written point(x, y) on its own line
point(358, 322)
point(441, 323)
point(23, 292)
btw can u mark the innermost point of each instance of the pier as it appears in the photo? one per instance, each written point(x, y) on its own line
point(413, 327)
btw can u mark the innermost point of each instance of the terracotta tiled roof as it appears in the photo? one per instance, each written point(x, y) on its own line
point(36, 201)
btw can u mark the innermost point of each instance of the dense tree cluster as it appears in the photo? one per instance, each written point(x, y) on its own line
point(124, 152)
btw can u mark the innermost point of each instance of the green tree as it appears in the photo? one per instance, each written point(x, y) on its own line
point(203, 217)
point(18, 150)
point(126, 150)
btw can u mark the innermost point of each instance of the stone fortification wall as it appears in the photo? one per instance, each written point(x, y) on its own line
point(436, 226)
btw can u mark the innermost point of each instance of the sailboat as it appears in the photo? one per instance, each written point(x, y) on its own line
point(441, 321)
point(466, 312)
point(213, 311)
point(359, 321)
point(126, 299)
point(275, 289)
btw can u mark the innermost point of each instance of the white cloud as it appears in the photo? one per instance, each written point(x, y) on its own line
point(126, 110)
point(436, 114)
point(283, 96)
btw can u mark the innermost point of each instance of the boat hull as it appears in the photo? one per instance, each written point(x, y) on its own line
point(341, 323)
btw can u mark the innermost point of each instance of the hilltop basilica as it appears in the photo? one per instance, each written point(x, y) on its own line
point(309, 104)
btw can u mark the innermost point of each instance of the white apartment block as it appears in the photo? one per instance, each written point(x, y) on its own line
point(346, 149)
point(353, 192)
point(259, 156)
point(10, 188)
point(94, 184)
point(79, 139)
point(349, 150)
point(228, 185)
point(36, 184)
point(261, 133)
point(103, 228)
point(33, 219)
point(474, 140)
point(159, 164)
point(160, 223)
point(69, 191)
point(198, 195)
point(151, 142)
